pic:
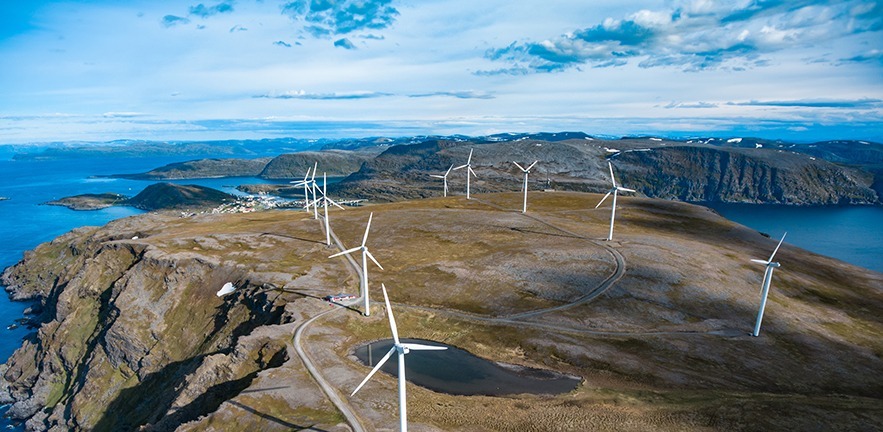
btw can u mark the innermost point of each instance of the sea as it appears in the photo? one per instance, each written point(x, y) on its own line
point(852, 234)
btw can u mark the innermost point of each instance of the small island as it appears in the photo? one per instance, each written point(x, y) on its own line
point(86, 202)
point(159, 196)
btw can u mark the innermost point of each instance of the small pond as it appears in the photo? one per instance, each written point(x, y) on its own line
point(459, 372)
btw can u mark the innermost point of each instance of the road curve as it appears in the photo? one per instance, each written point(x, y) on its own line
point(332, 394)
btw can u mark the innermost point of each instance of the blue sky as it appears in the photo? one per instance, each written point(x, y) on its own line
point(187, 70)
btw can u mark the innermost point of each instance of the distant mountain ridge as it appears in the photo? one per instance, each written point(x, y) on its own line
point(750, 170)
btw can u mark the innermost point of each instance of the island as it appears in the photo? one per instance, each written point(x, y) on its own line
point(159, 196)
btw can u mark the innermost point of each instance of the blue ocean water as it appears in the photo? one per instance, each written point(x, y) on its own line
point(851, 234)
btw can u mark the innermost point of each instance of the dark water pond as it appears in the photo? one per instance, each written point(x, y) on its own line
point(459, 372)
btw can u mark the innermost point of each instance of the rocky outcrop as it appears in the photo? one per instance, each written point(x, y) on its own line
point(124, 328)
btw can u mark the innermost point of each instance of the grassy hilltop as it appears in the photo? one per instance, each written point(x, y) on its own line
point(133, 325)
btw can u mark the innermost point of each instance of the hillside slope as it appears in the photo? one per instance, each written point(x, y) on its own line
point(671, 170)
point(664, 347)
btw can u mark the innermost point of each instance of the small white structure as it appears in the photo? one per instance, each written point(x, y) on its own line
point(365, 255)
point(401, 349)
point(228, 288)
point(469, 171)
point(526, 171)
point(614, 190)
point(765, 287)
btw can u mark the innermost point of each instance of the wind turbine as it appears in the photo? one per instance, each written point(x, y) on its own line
point(309, 185)
point(325, 201)
point(445, 177)
point(526, 171)
point(365, 255)
point(765, 288)
point(305, 183)
point(401, 349)
point(614, 190)
point(469, 171)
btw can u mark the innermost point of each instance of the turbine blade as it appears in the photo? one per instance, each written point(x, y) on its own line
point(622, 189)
point(372, 259)
point(315, 168)
point(777, 247)
point(761, 261)
point(449, 170)
point(324, 183)
point(460, 167)
point(306, 177)
point(531, 165)
point(373, 371)
point(437, 176)
point(348, 251)
point(612, 179)
point(367, 228)
point(334, 203)
point(421, 347)
point(519, 166)
point(468, 161)
point(392, 320)
point(603, 199)
point(473, 172)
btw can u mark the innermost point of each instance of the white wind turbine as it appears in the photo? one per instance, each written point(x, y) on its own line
point(614, 190)
point(365, 255)
point(325, 201)
point(526, 171)
point(401, 349)
point(306, 184)
point(765, 287)
point(444, 177)
point(310, 185)
point(469, 171)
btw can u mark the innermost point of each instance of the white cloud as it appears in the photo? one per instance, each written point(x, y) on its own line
point(112, 72)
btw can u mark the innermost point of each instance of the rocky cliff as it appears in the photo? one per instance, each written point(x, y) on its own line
point(123, 330)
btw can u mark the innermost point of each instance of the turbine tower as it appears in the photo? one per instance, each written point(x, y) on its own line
point(445, 177)
point(401, 349)
point(365, 255)
point(614, 190)
point(314, 187)
point(765, 288)
point(526, 171)
point(325, 201)
point(469, 171)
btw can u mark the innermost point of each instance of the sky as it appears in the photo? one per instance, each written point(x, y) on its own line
point(102, 70)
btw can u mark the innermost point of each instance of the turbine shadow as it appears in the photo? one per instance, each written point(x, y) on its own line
point(275, 419)
point(293, 238)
